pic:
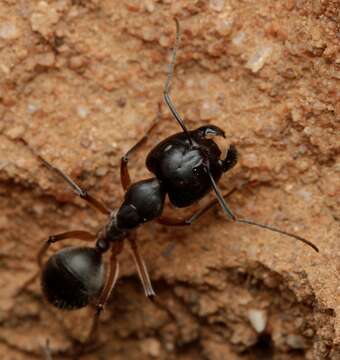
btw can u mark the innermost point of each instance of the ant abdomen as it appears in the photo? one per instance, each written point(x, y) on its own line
point(72, 277)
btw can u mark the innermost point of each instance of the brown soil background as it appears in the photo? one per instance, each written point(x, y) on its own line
point(80, 82)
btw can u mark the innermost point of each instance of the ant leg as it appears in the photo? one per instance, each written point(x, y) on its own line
point(168, 221)
point(106, 291)
point(77, 189)
point(141, 267)
point(77, 234)
point(124, 172)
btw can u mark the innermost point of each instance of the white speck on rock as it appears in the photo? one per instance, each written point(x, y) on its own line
point(216, 5)
point(8, 31)
point(5, 69)
point(239, 38)
point(308, 131)
point(149, 6)
point(305, 195)
point(258, 319)
point(32, 108)
point(164, 41)
point(151, 347)
point(224, 26)
point(82, 111)
point(258, 58)
point(295, 341)
point(102, 171)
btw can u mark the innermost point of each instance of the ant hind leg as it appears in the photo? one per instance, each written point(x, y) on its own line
point(105, 293)
point(141, 267)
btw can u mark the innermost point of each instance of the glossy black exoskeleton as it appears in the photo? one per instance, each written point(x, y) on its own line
point(143, 201)
point(186, 165)
point(181, 166)
point(73, 270)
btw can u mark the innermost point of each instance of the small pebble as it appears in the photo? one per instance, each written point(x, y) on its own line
point(151, 347)
point(76, 62)
point(8, 31)
point(308, 131)
point(148, 33)
point(149, 6)
point(47, 59)
point(309, 332)
point(216, 5)
point(15, 132)
point(82, 111)
point(259, 58)
point(32, 108)
point(295, 341)
point(305, 195)
point(238, 38)
point(224, 26)
point(102, 171)
point(258, 319)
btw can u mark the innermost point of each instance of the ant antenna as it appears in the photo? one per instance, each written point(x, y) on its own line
point(167, 86)
point(230, 215)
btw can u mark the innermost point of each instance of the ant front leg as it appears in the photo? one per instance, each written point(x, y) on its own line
point(77, 234)
point(124, 171)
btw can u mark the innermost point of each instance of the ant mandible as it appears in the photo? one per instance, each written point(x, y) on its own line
point(186, 165)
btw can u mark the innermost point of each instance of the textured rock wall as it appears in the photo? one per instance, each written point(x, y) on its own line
point(81, 81)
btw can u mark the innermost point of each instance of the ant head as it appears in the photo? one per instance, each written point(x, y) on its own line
point(72, 276)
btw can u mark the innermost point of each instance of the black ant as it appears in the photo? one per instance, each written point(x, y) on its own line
point(186, 165)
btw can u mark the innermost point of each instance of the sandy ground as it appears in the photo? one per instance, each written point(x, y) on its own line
point(81, 81)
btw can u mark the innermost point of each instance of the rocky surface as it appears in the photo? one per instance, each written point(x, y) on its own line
point(81, 81)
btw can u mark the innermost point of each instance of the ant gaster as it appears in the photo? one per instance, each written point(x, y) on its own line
point(186, 165)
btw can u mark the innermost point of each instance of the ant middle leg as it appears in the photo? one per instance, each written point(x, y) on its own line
point(124, 171)
point(169, 221)
point(77, 189)
point(76, 234)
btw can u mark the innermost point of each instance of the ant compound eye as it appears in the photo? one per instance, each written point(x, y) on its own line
point(73, 276)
